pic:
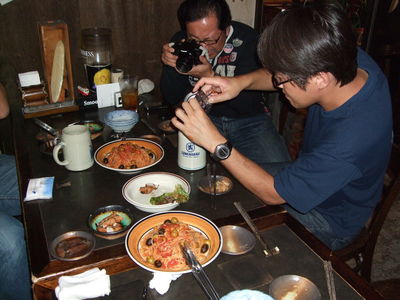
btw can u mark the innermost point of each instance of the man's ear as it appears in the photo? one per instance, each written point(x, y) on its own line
point(322, 79)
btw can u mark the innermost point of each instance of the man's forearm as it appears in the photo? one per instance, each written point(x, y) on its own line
point(253, 177)
point(258, 80)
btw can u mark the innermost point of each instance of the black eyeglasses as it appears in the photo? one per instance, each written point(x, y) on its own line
point(208, 42)
point(277, 83)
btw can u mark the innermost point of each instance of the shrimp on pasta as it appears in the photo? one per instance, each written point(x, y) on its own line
point(161, 247)
point(128, 156)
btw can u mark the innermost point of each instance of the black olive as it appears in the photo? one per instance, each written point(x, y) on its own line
point(133, 166)
point(149, 242)
point(152, 155)
point(167, 221)
point(121, 167)
point(161, 230)
point(105, 160)
point(158, 263)
point(204, 248)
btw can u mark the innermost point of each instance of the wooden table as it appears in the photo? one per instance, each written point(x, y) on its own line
point(97, 187)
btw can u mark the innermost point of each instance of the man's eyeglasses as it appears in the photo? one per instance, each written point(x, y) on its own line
point(207, 41)
point(277, 83)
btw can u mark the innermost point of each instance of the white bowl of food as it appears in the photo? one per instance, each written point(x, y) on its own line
point(129, 156)
point(156, 191)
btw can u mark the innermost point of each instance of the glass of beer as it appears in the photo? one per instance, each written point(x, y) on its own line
point(129, 92)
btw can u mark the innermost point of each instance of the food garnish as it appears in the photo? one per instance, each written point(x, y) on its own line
point(179, 195)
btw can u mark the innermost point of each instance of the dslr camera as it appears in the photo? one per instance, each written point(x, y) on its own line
point(188, 53)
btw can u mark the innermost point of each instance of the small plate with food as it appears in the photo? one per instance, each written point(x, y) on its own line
point(72, 245)
point(110, 222)
point(156, 191)
point(154, 242)
point(223, 185)
point(129, 156)
point(95, 127)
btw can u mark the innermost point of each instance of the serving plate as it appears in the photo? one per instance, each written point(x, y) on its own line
point(150, 145)
point(95, 127)
point(294, 287)
point(82, 248)
point(237, 240)
point(223, 185)
point(195, 221)
point(165, 183)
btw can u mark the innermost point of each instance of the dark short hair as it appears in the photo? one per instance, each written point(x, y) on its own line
point(194, 10)
point(310, 38)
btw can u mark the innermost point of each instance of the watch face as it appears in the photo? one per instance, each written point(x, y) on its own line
point(223, 151)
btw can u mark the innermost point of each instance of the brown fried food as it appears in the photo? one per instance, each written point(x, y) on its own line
point(148, 188)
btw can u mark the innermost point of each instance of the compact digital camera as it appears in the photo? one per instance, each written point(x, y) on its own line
point(188, 53)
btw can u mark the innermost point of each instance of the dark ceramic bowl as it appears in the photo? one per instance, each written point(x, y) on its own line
point(110, 222)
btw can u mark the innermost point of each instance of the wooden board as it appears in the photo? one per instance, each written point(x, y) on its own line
point(50, 34)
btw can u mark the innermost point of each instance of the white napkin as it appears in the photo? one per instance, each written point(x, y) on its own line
point(90, 284)
point(161, 281)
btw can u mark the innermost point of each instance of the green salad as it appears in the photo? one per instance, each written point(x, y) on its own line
point(179, 195)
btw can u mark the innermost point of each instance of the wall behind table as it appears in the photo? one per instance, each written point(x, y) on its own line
point(139, 29)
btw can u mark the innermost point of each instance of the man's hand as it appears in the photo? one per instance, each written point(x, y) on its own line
point(202, 70)
point(220, 88)
point(192, 120)
point(167, 56)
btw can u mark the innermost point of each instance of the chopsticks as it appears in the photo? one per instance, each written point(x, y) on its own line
point(267, 250)
point(199, 274)
point(212, 183)
point(330, 282)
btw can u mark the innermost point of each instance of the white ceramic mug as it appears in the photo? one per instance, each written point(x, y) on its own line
point(190, 156)
point(77, 148)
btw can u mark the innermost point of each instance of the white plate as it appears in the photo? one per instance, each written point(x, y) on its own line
point(166, 184)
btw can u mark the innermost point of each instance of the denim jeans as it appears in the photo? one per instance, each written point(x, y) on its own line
point(14, 272)
point(9, 194)
point(255, 137)
point(318, 225)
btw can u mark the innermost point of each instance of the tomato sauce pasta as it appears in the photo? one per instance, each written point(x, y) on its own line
point(161, 247)
point(128, 156)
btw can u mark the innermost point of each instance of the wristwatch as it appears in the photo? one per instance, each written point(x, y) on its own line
point(222, 151)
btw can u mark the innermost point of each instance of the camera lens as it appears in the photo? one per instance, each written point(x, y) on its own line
point(184, 63)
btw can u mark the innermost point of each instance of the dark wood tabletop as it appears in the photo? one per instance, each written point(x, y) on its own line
point(88, 190)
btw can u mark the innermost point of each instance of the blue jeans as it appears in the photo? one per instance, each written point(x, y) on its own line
point(318, 225)
point(9, 193)
point(14, 272)
point(255, 137)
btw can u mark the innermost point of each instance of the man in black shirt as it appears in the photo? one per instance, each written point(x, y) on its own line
point(229, 50)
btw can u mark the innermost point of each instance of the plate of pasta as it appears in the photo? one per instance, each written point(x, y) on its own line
point(129, 156)
point(154, 242)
